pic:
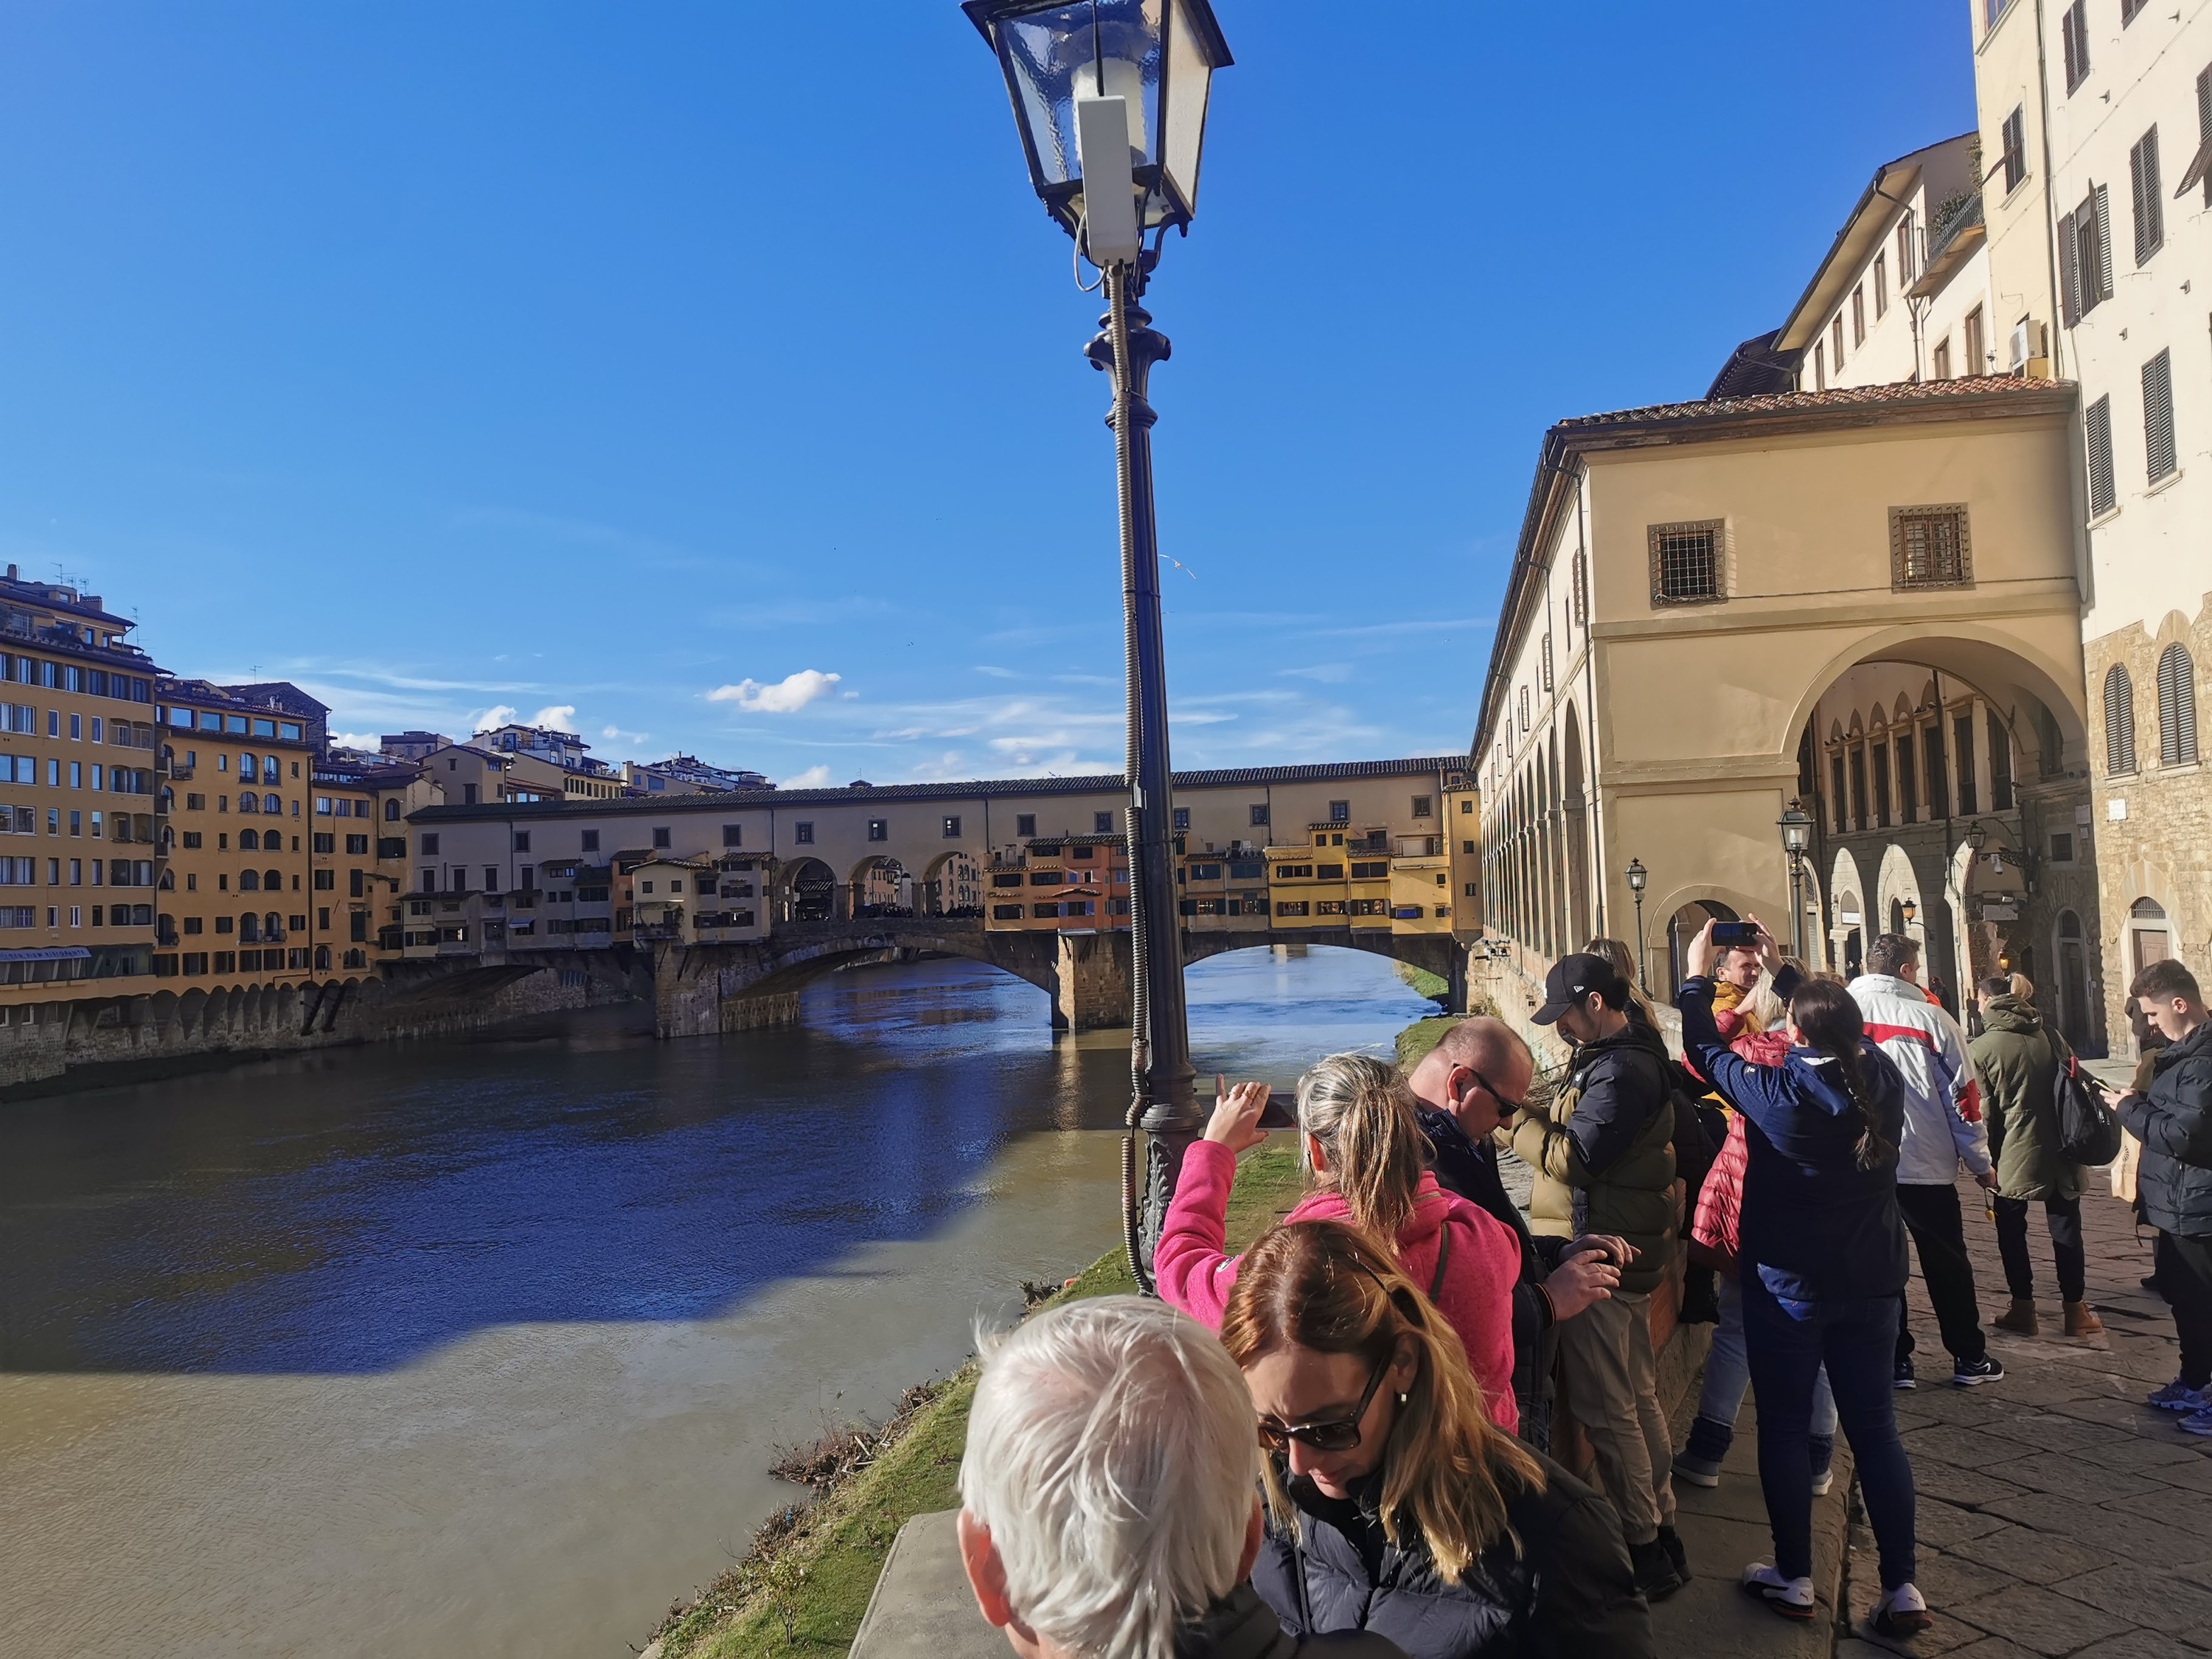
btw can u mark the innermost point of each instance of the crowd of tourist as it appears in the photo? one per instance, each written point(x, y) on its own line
point(1339, 1443)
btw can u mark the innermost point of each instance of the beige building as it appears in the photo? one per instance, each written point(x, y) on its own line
point(2098, 117)
point(1865, 599)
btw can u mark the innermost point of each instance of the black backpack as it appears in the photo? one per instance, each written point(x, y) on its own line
point(2088, 1133)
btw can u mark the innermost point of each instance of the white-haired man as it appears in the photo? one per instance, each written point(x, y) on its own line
point(1109, 1502)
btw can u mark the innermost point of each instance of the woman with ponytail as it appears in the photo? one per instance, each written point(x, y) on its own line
point(1394, 1505)
point(1361, 1141)
point(1820, 1253)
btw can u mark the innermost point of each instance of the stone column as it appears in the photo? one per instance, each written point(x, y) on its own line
point(1983, 799)
point(1092, 977)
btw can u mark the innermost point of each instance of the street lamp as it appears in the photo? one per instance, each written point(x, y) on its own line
point(1910, 910)
point(1111, 97)
point(1797, 826)
point(1638, 875)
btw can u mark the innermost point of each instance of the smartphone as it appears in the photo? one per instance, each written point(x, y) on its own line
point(1736, 935)
point(1281, 1112)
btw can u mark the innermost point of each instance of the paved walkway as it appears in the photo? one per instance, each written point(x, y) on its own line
point(2058, 1514)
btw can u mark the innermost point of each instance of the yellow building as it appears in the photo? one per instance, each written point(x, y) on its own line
point(80, 847)
point(343, 884)
point(237, 905)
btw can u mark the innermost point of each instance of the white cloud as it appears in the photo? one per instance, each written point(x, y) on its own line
point(610, 731)
point(367, 740)
point(788, 695)
point(561, 716)
point(1327, 673)
point(500, 714)
point(814, 777)
point(996, 673)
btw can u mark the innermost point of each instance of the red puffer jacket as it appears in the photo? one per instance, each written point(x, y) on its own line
point(1713, 1234)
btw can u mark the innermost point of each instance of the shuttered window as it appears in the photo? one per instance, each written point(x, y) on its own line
point(2098, 440)
point(1548, 662)
point(2014, 138)
point(2177, 707)
point(2097, 249)
point(2120, 723)
point(2158, 416)
point(2201, 165)
point(1582, 588)
point(2073, 30)
point(2069, 269)
point(2150, 214)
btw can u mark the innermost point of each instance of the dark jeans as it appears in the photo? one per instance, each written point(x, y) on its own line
point(2064, 1217)
point(2184, 1279)
point(1786, 1344)
point(1939, 1234)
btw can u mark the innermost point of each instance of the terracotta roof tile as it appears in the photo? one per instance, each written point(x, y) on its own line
point(1895, 393)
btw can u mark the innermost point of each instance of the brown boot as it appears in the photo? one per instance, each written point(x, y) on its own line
point(2081, 1320)
point(2019, 1318)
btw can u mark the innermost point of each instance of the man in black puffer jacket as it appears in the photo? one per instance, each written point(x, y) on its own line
point(2174, 1185)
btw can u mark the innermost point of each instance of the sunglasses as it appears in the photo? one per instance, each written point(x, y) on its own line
point(1339, 1434)
point(1494, 1092)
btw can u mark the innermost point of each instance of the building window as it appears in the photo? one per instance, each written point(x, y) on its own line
point(1962, 739)
point(1881, 286)
point(2062, 849)
point(1977, 343)
point(1582, 588)
point(2084, 256)
point(803, 833)
point(2149, 211)
point(2129, 9)
point(2073, 30)
point(1858, 315)
point(2177, 707)
point(522, 840)
point(1928, 547)
point(661, 837)
point(2120, 723)
point(1685, 563)
point(1858, 789)
point(1183, 818)
point(951, 827)
point(1999, 764)
point(1339, 811)
point(1523, 694)
point(2158, 418)
point(1836, 343)
point(1548, 659)
point(2012, 136)
point(2098, 441)
point(878, 829)
point(2204, 133)
point(1259, 815)
point(1907, 263)
point(1424, 806)
point(733, 835)
point(1942, 361)
point(1908, 780)
point(591, 841)
point(429, 847)
point(1878, 757)
point(1102, 823)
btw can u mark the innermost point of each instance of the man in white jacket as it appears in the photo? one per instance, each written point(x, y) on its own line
point(1944, 1127)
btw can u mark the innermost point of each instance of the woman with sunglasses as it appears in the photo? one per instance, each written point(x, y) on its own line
point(1361, 1141)
point(1394, 1505)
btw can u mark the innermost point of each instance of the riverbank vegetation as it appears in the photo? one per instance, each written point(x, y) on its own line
point(804, 1582)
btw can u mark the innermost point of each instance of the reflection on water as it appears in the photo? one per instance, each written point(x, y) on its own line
point(377, 1350)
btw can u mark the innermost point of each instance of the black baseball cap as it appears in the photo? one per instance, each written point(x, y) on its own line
point(1571, 978)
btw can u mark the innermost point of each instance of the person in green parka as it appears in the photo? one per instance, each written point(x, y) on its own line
point(2019, 1058)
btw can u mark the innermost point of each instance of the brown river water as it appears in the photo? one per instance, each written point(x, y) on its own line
point(484, 1347)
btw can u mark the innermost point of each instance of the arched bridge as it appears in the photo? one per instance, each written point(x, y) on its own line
point(703, 988)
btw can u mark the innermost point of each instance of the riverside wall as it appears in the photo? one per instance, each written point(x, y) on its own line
point(140, 1036)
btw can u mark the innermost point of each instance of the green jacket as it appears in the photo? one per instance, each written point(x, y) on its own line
point(2019, 1061)
point(1603, 1151)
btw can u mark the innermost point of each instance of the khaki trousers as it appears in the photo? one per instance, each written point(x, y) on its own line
point(1612, 1389)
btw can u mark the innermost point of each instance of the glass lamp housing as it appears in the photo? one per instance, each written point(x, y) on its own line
point(1797, 826)
point(1636, 875)
point(1158, 55)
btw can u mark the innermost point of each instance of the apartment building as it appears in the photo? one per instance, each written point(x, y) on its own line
point(80, 853)
point(582, 776)
point(238, 902)
point(2103, 112)
point(688, 775)
point(344, 886)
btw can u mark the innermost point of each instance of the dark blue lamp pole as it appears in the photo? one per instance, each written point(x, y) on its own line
point(1123, 84)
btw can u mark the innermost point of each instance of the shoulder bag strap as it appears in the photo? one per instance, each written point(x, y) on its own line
point(1443, 1256)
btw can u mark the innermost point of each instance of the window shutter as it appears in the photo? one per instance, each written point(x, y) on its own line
point(2069, 267)
point(2158, 416)
point(2149, 220)
point(2204, 126)
point(2104, 219)
point(2098, 441)
point(2177, 707)
point(2120, 723)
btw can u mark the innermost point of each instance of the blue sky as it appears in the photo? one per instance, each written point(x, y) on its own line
point(705, 374)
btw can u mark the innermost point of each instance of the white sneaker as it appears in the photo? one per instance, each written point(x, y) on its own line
point(1902, 1612)
point(1823, 1483)
point(1791, 1597)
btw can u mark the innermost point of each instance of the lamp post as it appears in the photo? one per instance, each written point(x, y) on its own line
point(1111, 97)
point(1797, 826)
point(1637, 877)
point(1910, 910)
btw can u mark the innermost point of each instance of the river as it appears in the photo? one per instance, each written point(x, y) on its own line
point(484, 1347)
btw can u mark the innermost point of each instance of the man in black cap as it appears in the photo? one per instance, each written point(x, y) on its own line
point(1604, 1157)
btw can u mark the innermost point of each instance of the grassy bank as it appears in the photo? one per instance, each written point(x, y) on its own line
point(806, 1582)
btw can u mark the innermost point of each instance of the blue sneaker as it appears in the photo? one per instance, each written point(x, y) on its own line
point(2198, 1422)
point(1972, 1373)
point(2179, 1396)
point(1904, 1378)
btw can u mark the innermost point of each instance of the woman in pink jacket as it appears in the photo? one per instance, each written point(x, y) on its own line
point(1369, 1159)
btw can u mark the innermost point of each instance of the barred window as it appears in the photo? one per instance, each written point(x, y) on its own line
point(1582, 588)
point(2159, 457)
point(2177, 707)
point(1928, 547)
point(1685, 563)
point(1547, 661)
point(2096, 436)
point(2120, 723)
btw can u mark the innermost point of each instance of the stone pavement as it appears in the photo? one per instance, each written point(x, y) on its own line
point(2058, 1514)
